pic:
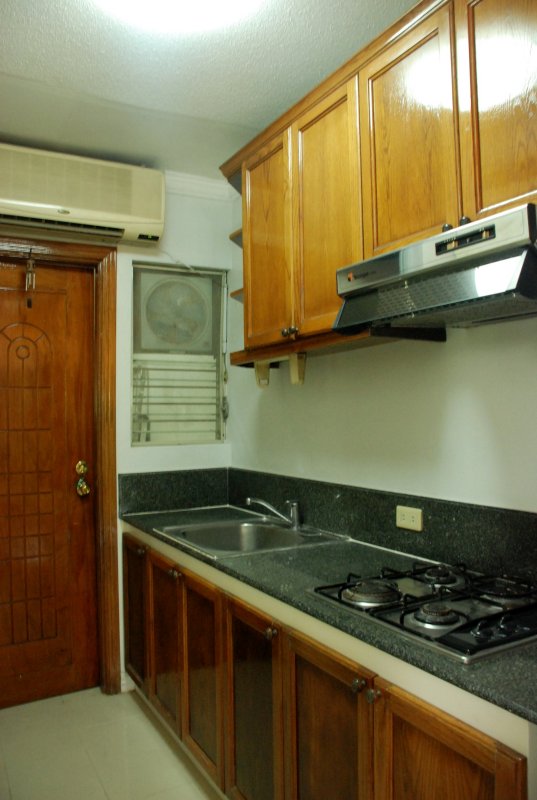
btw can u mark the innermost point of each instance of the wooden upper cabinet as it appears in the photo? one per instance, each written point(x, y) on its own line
point(422, 753)
point(327, 218)
point(409, 136)
point(497, 81)
point(301, 221)
point(267, 246)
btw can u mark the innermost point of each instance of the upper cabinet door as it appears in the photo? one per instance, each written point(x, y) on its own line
point(409, 137)
point(497, 80)
point(267, 249)
point(327, 219)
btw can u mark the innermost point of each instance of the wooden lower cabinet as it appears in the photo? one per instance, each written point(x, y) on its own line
point(202, 675)
point(254, 745)
point(328, 724)
point(288, 718)
point(422, 753)
point(135, 611)
point(165, 646)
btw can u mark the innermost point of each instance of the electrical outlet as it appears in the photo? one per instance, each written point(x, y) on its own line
point(409, 518)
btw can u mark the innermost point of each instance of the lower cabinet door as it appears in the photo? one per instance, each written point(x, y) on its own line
point(135, 611)
point(164, 638)
point(202, 703)
point(328, 724)
point(422, 753)
point(254, 746)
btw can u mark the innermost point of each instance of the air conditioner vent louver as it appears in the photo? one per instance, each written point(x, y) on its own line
point(57, 191)
point(57, 223)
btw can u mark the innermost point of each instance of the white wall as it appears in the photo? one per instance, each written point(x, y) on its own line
point(455, 421)
point(198, 222)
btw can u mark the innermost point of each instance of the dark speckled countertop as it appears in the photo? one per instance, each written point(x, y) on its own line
point(506, 679)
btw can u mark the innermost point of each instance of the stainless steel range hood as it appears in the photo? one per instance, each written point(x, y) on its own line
point(478, 273)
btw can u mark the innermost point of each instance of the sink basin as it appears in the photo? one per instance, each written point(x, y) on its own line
point(238, 538)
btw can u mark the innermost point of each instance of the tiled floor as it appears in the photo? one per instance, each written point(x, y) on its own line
point(90, 746)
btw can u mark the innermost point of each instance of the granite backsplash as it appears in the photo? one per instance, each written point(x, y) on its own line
point(487, 539)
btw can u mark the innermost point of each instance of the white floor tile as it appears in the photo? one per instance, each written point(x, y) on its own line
point(90, 746)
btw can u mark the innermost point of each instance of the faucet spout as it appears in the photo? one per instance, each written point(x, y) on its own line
point(294, 513)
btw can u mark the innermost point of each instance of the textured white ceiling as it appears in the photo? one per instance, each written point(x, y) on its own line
point(72, 79)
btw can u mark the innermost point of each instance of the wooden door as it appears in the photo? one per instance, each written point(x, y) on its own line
point(328, 725)
point(202, 701)
point(497, 83)
point(327, 218)
point(409, 135)
point(254, 746)
point(164, 638)
point(48, 618)
point(422, 753)
point(267, 250)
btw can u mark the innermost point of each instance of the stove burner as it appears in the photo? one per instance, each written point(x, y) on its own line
point(504, 588)
point(370, 593)
point(436, 614)
point(440, 574)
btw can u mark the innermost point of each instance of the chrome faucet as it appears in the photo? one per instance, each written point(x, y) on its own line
point(294, 513)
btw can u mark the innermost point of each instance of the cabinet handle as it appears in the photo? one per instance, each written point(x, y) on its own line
point(447, 226)
point(270, 633)
point(464, 220)
point(372, 695)
point(140, 551)
point(292, 330)
point(173, 573)
point(285, 332)
point(357, 685)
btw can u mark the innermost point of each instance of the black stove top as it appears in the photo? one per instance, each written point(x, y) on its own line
point(461, 613)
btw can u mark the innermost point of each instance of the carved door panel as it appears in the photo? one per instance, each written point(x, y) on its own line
point(48, 625)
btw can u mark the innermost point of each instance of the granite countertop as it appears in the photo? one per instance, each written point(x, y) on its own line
point(507, 679)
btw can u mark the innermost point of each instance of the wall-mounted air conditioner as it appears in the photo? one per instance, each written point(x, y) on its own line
point(76, 196)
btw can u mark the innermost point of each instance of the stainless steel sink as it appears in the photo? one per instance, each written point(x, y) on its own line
point(218, 539)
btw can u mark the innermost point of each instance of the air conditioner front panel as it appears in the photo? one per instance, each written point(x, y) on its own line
point(64, 189)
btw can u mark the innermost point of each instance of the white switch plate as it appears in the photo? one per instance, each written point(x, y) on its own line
point(409, 518)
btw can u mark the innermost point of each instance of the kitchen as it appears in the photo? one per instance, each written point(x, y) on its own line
point(444, 421)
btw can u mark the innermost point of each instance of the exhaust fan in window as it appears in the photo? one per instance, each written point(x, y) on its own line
point(173, 313)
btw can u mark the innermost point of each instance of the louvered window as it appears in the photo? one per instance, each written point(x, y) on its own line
point(178, 361)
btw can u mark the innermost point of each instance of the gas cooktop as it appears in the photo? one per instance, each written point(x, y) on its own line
point(461, 613)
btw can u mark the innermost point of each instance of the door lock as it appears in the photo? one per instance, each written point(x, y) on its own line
point(82, 486)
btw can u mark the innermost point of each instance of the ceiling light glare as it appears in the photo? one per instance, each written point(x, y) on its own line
point(174, 17)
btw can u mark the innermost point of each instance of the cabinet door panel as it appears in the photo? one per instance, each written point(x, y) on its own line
point(423, 754)
point(268, 305)
point(497, 58)
point(254, 768)
point(202, 694)
point(326, 198)
point(135, 610)
point(329, 726)
point(410, 153)
point(164, 639)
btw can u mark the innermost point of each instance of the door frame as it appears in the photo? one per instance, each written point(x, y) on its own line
point(103, 261)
